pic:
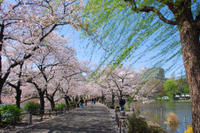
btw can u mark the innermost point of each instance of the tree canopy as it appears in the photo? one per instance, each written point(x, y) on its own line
point(170, 87)
point(132, 28)
point(127, 35)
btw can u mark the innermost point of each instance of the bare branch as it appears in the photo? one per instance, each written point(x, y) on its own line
point(148, 9)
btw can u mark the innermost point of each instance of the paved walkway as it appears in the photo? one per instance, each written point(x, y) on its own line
point(91, 119)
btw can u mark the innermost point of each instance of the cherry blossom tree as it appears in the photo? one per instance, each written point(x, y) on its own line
point(118, 82)
point(16, 84)
point(53, 87)
point(46, 62)
point(125, 81)
point(73, 79)
point(27, 23)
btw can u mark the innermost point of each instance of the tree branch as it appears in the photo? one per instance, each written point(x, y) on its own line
point(170, 5)
point(12, 85)
point(198, 21)
point(30, 80)
point(148, 9)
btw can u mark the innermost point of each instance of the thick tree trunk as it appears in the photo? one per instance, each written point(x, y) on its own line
point(102, 97)
point(51, 100)
point(18, 97)
point(66, 100)
point(1, 73)
point(52, 104)
point(191, 57)
point(41, 94)
point(113, 98)
point(18, 92)
point(1, 87)
point(2, 82)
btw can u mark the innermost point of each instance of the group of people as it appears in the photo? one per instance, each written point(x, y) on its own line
point(82, 101)
point(93, 101)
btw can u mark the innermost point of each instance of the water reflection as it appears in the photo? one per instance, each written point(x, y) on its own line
point(159, 111)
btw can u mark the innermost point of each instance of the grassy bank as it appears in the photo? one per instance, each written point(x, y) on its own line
point(138, 124)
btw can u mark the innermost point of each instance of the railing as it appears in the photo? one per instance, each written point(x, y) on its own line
point(120, 119)
point(28, 118)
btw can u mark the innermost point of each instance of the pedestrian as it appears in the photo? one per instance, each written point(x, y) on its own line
point(95, 100)
point(81, 102)
point(92, 101)
point(85, 101)
point(122, 102)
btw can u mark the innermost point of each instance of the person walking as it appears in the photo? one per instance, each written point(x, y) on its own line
point(92, 101)
point(95, 100)
point(85, 101)
point(122, 102)
point(81, 102)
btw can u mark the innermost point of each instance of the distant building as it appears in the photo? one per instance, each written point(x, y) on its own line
point(152, 82)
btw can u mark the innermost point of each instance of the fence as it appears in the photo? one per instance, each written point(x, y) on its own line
point(120, 119)
point(29, 117)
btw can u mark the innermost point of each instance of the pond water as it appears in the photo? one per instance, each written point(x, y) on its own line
point(158, 112)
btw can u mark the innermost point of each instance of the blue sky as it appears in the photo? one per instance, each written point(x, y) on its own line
point(86, 52)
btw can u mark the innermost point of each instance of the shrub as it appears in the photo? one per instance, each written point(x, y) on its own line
point(60, 107)
point(10, 114)
point(32, 107)
point(72, 102)
point(110, 105)
point(137, 125)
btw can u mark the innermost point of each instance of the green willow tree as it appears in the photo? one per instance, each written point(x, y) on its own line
point(172, 26)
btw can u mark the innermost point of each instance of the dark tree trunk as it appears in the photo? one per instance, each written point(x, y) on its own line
point(1, 75)
point(67, 99)
point(2, 82)
point(51, 100)
point(18, 97)
point(41, 94)
point(1, 87)
point(18, 92)
point(191, 57)
point(113, 98)
point(120, 94)
point(102, 97)
point(52, 104)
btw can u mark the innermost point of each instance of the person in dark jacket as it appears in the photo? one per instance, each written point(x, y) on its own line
point(81, 102)
point(122, 102)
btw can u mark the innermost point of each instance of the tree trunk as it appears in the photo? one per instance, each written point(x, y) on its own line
point(51, 100)
point(113, 98)
point(41, 94)
point(66, 100)
point(1, 87)
point(1, 73)
point(2, 82)
point(120, 94)
point(52, 104)
point(191, 57)
point(18, 97)
point(102, 98)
